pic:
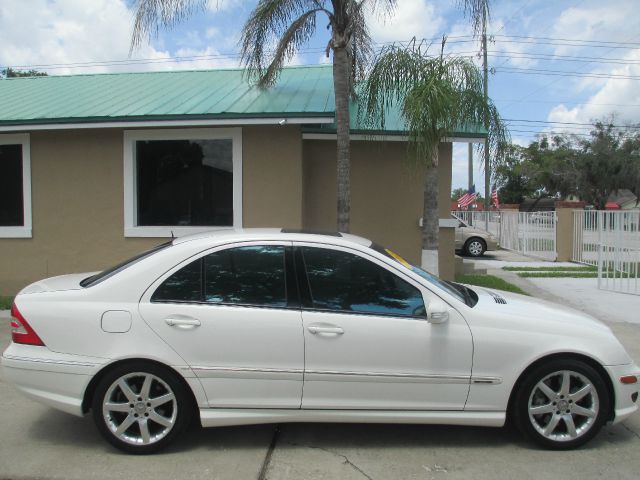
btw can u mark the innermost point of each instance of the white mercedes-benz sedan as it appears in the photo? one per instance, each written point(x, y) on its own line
point(259, 326)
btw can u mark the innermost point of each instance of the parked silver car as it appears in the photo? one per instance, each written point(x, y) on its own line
point(473, 241)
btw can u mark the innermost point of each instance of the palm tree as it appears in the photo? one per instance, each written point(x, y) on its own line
point(437, 95)
point(289, 24)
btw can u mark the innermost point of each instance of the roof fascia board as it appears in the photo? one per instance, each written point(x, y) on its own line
point(386, 138)
point(283, 120)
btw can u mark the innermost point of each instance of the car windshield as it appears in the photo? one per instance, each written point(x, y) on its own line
point(99, 277)
point(454, 289)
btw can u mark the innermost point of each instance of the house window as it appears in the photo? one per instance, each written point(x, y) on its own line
point(182, 181)
point(15, 186)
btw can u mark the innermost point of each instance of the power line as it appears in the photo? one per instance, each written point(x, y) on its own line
point(532, 37)
point(565, 123)
point(536, 71)
point(562, 58)
point(536, 90)
point(566, 102)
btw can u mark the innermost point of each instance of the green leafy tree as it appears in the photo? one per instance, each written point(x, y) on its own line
point(15, 73)
point(511, 179)
point(590, 168)
point(437, 95)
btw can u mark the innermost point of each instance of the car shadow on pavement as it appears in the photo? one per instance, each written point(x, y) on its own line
point(59, 428)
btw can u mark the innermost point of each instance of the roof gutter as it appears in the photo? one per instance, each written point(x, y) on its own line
point(166, 122)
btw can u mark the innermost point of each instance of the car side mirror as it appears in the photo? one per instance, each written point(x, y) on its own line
point(437, 312)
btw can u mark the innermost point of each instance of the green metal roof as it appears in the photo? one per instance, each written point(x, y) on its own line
point(174, 95)
point(302, 92)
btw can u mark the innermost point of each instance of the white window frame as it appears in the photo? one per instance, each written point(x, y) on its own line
point(131, 227)
point(24, 231)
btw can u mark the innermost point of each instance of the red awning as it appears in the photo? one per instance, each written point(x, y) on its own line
point(611, 206)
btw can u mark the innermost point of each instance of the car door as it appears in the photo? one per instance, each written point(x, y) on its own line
point(368, 344)
point(230, 314)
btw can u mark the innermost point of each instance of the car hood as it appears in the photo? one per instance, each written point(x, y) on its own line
point(525, 309)
point(56, 284)
point(476, 231)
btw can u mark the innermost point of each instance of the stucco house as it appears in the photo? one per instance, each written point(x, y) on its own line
point(95, 168)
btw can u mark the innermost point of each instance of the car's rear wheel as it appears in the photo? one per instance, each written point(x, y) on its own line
point(475, 247)
point(141, 407)
point(562, 404)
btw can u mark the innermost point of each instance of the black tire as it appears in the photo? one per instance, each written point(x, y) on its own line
point(562, 437)
point(177, 411)
point(475, 247)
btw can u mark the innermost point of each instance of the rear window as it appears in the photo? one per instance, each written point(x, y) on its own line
point(99, 277)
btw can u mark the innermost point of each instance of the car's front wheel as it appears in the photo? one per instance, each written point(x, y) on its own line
point(141, 407)
point(475, 247)
point(562, 404)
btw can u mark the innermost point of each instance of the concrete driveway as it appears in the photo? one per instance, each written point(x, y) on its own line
point(40, 443)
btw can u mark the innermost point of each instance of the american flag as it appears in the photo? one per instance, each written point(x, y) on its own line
point(468, 198)
point(494, 197)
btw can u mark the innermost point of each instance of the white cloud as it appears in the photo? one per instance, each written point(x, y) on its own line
point(212, 32)
point(412, 18)
point(606, 95)
point(41, 32)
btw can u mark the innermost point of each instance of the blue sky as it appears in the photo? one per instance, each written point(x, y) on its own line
point(569, 61)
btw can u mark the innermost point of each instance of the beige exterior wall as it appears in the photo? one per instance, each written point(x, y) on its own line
point(272, 176)
point(564, 234)
point(447, 235)
point(386, 195)
point(78, 206)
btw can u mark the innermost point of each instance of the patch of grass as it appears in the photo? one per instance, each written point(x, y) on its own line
point(5, 302)
point(489, 281)
point(555, 274)
point(585, 268)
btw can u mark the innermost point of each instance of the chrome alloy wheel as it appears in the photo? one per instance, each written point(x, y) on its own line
point(139, 408)
point(475, 248)
point(563, 406)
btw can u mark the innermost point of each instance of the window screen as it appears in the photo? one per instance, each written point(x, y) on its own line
point(345, 282)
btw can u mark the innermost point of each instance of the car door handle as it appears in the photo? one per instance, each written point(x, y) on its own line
point(182, 322)
point(315, 329)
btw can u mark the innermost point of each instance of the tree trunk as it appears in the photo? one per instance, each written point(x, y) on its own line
point(341, 76)
point(430, 221)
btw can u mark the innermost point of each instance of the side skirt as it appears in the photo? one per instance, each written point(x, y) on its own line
point(220, 417)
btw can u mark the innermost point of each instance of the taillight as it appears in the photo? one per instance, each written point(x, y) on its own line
point(21, 331)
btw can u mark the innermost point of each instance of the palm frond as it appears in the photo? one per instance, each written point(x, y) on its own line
point(287, 23)
point(475, 10)
point(437, 95)
point(153, 14)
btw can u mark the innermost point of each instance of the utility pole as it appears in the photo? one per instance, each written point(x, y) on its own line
point(470, 175)
point(485, 70)
point(470, 165)
point(487, 162)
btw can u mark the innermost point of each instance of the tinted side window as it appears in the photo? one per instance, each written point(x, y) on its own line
point(346, 282)
point(252, 275)
point(183, 286)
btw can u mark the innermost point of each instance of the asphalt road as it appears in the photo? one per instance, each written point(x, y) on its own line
point(37, 442)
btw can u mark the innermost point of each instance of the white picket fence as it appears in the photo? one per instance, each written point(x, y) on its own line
point(488, 221)
point(529, 233)
point(609, 240)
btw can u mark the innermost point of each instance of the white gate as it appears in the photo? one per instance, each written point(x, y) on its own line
point(488, 221)
point(529, 233)
point(610, 240)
